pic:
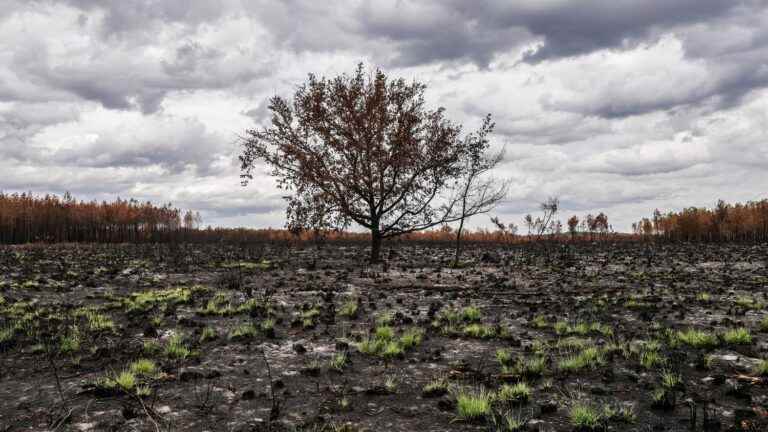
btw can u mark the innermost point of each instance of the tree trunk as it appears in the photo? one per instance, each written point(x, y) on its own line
point(458, 243)
point(375, 246)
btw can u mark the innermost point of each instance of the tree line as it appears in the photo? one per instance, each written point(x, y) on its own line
point(723, 222)
point(28, 218)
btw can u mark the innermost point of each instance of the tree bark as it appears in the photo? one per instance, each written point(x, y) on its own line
point(458, 243)
point(375, 246)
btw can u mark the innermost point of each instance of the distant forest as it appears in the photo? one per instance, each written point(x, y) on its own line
point(724, 222)
point(27, 218)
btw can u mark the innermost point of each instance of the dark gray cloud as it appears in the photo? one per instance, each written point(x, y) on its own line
point(613, 105)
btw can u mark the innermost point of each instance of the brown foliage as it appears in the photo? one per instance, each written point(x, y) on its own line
point(362, 149)
point(724, 222)
point(28, 218)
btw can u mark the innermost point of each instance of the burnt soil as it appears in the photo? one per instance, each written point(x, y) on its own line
point(245, 338)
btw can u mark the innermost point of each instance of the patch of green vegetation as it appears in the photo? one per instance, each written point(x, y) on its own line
point(99, 322)
point(146, 300)
point(516, 393)
point(384, 342)
point(651, 359)
point(208, 334)
point(539, 322)
point(384, 332)
point(243, 331)
point(636, 303)
point(504, 356)
point(370, 346)
point(671, 380)
point(509, 422)
point(436, 387)
point(704, 297)
point(126, 380)
point(582, 328)
point(339, 361)
point(764, 324)
point(349, 309)
point(663, 398)
point(748, 302)
point(264, 264)
point(573, 343)
point(308, 318)
point(218, 305)
point(143, 367)
point(738, 336)
point(411, 338)
point(392, 349)
point(151, 347)
point(70, 342)
point(471, 314)
point(698, 339)
point(176, 349)
point(480, 331)
point(762, 368)
point(473, 404)
point(586, 418)
point(7, 334)
point(588, 358)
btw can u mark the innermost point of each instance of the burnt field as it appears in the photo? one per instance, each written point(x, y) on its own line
point(189, 338)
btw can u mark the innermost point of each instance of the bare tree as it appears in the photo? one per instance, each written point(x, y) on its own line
point(540, 225)
point(362, 149)
point(477, 194)
point(573, 225)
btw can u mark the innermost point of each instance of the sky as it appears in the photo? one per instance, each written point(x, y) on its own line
point(621, 106)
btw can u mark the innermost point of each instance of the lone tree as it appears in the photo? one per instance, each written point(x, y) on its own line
point(361, 148)
point(476, 193)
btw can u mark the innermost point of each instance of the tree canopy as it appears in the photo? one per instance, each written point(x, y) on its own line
point(365, 149)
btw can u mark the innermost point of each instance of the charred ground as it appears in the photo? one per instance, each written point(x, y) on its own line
point(603, 336)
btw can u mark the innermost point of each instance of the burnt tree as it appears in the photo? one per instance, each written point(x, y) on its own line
point(361, 148)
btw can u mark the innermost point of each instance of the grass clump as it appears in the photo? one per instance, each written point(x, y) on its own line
point(748, 302)
point(650, 359)
point(504, 356)
point(516, 393)
point(243, 331)
point(471, 314)
point(143, 367)
point(539, 322)
point(411, 338)
point(370, 346)
point(70, 343)
point(762, 368)
point(479, 331)
point(671, 380)
point(208, 334)
point(384, 332)
point(176, 349)
point(339, 361)
point(349, 309)
point(436, 387)
point(508, 422)
point(738, 336)
point(586, 418)
point(473, 404)
point(125, 380)
point(764, 324)
point(698, 339)
point(385, 343)
point(588, 358)
point(146, 300)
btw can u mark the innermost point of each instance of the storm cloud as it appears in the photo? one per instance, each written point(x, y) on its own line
point(620, 106)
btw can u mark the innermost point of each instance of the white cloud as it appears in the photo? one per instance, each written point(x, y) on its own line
point(620, 107)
